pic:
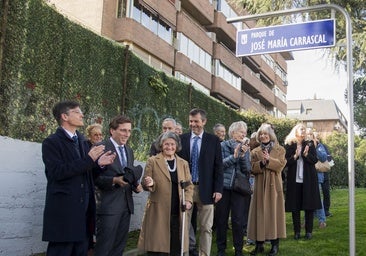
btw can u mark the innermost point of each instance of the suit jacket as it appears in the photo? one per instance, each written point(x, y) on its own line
point(209, 164)
point(110, 199)
point(70, 190)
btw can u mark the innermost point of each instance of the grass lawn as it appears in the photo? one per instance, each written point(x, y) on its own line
point(331, 241)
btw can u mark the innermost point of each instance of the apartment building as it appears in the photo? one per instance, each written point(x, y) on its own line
point(191, 40)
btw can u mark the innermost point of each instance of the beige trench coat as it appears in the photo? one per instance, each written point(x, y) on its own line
point(155, 229)
point(267, 219)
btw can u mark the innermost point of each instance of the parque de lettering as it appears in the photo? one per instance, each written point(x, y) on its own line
point(285, 42)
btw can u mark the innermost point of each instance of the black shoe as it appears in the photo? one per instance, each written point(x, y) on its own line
point(258, 249)
point(193, 252)
point(297, 236)
point(238, 253)
point(220, 253)
point(328, 214)
point(273, 251)
point(308, 236)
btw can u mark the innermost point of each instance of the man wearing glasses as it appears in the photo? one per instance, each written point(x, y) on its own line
point(69, 212)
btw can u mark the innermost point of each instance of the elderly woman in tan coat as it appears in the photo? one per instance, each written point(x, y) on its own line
point(162, 223)
point(267, 209)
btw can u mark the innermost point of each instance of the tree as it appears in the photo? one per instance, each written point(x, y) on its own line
point(337, 145)
point(359, 103)
point(337, 55)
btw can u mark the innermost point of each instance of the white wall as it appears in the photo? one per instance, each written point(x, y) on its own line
point(84, 12)
point(22, 194)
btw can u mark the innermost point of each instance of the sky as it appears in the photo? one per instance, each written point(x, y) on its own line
point(311, 75)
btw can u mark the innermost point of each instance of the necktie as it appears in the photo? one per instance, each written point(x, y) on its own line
point(194, 159)
point(123, 156)
point(76, 144)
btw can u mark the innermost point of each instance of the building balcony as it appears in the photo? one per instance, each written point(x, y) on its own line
point(267, 73)
point(224, 31)
point(226, 93)
point(253, 85)
point(281, 106)
point(191, 29)
point(228, 58)
point(200, 10)
point(280, 61)
point(281, 84)
point(254, 62)
point(191, 69)
point(129, 31)
point(165, 9)
point(249, 103)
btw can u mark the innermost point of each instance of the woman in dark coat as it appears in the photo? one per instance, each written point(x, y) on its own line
point(302, 191)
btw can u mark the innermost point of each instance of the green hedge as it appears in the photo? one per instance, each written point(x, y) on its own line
point(47, 58)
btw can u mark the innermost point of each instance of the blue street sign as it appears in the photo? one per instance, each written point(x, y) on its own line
point(300, 36)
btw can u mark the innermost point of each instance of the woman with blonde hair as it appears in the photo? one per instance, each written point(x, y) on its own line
point(302, 192)
point(267, 212)
point(94, 133)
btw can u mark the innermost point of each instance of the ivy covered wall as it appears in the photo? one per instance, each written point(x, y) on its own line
point(46, 58)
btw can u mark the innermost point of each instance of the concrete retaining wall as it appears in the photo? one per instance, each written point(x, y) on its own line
point(22, 195)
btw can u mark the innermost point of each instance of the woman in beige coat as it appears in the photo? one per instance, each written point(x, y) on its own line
point(267, 210)
point(162, 223)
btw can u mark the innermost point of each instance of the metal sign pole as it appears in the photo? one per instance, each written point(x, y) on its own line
point(351, 157)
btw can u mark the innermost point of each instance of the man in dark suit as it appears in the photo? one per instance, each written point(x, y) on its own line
point(114, 192)
point(69, 212)
point(207, 174)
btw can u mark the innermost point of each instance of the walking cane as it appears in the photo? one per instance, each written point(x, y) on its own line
point(183, 185)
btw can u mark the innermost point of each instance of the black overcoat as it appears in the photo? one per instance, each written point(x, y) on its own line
point(310, 193)
point(70, 205)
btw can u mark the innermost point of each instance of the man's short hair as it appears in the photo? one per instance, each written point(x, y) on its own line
point(169, 119)
point(197, 111)
point(63, 107)
point(117, 120)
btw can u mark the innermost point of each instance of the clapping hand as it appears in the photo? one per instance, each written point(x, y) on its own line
point(107, 158)
point(265, 156)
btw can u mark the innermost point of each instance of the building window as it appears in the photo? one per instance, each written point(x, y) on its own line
point(225, 8)
point(194, 52)
point(281, 73)
point(229, 76)
point(121, 8)
point(152, 22)
point(268, 59)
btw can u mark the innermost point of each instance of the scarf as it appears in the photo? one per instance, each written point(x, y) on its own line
point(267, 146)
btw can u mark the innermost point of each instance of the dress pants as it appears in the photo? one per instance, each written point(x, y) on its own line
point(205, 214)
point(309, 214)
point(235, 203)
point(112, 233)
point(309, 218)
point(68, 248)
